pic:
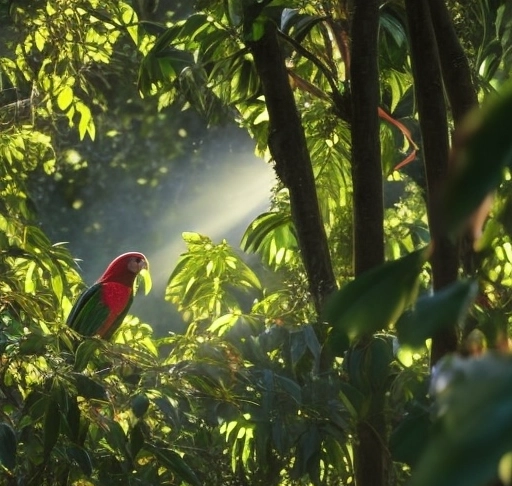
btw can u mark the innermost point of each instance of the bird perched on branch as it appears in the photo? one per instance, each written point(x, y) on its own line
point(100, 309)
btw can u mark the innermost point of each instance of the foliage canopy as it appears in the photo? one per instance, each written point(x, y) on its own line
point(261, 389)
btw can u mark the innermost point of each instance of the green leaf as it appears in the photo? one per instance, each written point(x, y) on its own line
point(140, 405)
point(194, 24)
point(86, 123)
point(136, 439)
point(116, 437)
point(380, 356)
point(374, 300)
point(312, 342)
point(33, 344)
point(81, 457)
point(300, 23)
point(51, 427)
point(85, 352)
point(297, 346)
point(474, 427)
point(7, 447)
point(145, 277)
point(73, 419)
point(65, 98)
point(175, 463)
point(483, 152)
point(408, 439)
point(235, 12)
point(88, 388)
point(434, 313)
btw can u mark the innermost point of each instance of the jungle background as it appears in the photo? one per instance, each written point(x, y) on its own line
point(323, 192)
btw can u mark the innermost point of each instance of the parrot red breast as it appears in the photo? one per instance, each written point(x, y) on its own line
point(100, 309)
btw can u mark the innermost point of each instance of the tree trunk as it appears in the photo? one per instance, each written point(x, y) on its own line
point(435, 141)
point(287, 144)
point(371, 459)
point(454, 63)
point(366, 163)
point(461, 95)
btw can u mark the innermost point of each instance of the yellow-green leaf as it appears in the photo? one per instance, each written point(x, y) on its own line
point(65, 97)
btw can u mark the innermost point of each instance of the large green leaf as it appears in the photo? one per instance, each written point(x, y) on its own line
point(434, 313)
point(51, 426)
point(374, 300)
point(7, 446)
point(88, 388)
point(272, 235)
point(81, 457)
point(140, 405)
point(136, 439)
point(474, 428)
point(408, 439)
point(483, 151)
point(175, 463)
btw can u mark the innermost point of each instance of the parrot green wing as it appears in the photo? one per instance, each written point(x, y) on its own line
point(89, 313)
point(108, 333)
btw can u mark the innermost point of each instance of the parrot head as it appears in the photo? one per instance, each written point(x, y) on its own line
point(125, 268)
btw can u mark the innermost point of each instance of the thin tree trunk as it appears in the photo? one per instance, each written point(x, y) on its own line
point(462, 97)
point(366, 163)
point(287, 145)
point(454, 63)
point(371, 459)
point(434, 132)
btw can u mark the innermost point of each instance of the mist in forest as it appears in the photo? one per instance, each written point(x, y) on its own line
point(219, 198)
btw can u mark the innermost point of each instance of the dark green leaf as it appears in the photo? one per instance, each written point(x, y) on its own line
point(298, 25)
point(312, 342)
point(409, 438)
point(136, 439)
point(33, 344)
point(73, 419)
point(474, 429)
point(194, 24)
point(140, 404)
point(374, 300)
point(85, 352)
point(88, 388)
point(116, 437)
point(484, 151)
point(297, 346)
point(168, 410)
point(81, 457)
point(175, 463)
point(291, 387)
point(7, 447)
point(51, 427)
point(434, 313)
point(235, 12)
point(380, 356)
point(308, 455)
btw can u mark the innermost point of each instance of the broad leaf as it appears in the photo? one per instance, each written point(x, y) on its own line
point(482, 150)
point(474, 428)
point(175, 463)
point(136, 439)
point(7, 446)
point(374, 300)
point(51, 427)
point(140, 405)
point(434, 313)
point(81, 457)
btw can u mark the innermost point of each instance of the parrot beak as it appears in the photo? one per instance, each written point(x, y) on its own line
point(145, 276)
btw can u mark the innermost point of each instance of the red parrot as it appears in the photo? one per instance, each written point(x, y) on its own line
point(100, 309)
